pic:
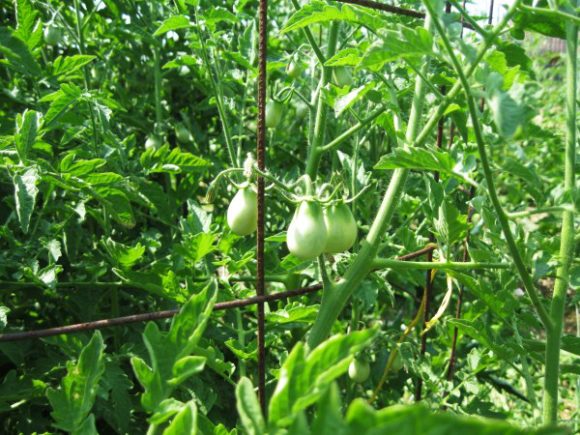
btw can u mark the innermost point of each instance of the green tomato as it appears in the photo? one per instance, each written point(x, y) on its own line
point(342, 76)
point(52, 34)
point(301, 110)
point(273, 114)
point(293, 69)
point(182, 133)
point(306, 237)
point(153, 141)
point(359, 370)
point(397, 363)
point(243, 212)
point(340, 227)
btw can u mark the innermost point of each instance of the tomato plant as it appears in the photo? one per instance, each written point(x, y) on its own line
point(419, 250)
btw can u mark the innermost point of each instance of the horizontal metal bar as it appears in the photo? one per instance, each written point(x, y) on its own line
point(155, 315)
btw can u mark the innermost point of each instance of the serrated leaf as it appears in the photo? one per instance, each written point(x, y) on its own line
point(508, 115)
point(117, 204)
point(170, 352)
point(25, 192)
point(73, 401)
point(249, 408)
point(123, 255)
point(65, 66)
point(185, 422)
point(172, 23)
point(317, 12)
point(303, 376)
point(80, 167)
point(404, 42)
point(345, 57)
point(61, 102)
point(418, 159)
point(26, 131)
point(17, 54)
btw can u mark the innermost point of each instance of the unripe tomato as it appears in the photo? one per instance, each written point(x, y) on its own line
point(52, 34)
point(342, 76)
point(243, 212)
point(301, 110)
point(397, 363)
point(182, 133)
point(359, 370)
point(306, 237)
point(341, 228)
point(293, 69)
point(153, 141)
point(273, 114)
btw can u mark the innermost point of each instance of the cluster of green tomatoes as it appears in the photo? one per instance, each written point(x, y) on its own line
point(314, 229)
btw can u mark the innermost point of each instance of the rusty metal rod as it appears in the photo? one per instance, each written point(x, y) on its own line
point(155, 315)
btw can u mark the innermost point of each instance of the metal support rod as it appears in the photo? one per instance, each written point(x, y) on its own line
point(155, 315)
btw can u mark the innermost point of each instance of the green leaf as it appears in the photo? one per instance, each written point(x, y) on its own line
point(185, 422)
point(26, 131)
point(303, 377)
point(249, 408)
point(185, 368)
point(345, 102)
point(417, 419)
point(329, 420)
point(169, 352)
point(316, 12)
point(61, 102)
point(29, 28)
point(123, 255)
point(17, 54)
point(418, 159)
point(402, 43)
point(73, 402)
point(25, 192)
point(345, 57)
point(117, 204)
point(69, 165)
point(508, 115)
point(65, 66)
point(172, 23)
point(171, 161)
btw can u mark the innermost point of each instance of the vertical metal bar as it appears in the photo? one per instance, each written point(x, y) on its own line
point(261, 156)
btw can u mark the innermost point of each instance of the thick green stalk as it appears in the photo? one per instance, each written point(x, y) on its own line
point(334, 299)
point(554, 335)
point(314, 151)
point(501, 215)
